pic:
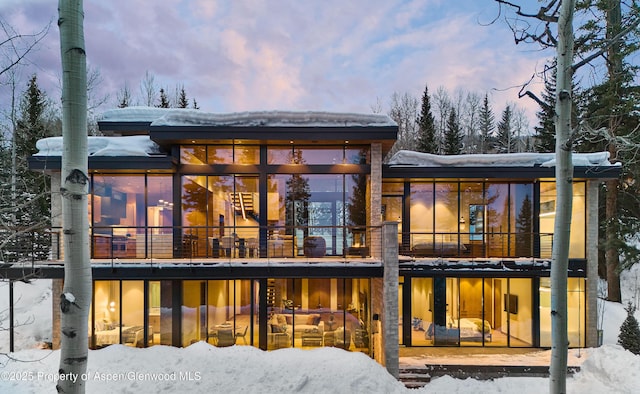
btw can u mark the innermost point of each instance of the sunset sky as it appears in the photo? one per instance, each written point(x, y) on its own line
point(330, 55)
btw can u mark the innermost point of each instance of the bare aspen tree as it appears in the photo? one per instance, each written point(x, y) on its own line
point(564, 192)
point(76, 294)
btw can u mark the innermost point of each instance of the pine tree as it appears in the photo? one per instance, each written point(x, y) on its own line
point(486, 125)
point(453, 135)
point(182, 99)
point(164, 101)
point(426, 126)
point(30, 191)
point(610, 109)
point(629, 337)
point(195, 104)
point(505, 139)
point(546, 130)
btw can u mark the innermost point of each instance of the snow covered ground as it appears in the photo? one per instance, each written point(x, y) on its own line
point(201, 368)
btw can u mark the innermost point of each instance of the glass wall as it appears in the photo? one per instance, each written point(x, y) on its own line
point(117, 215)
point(220, 154)
point(220, 215)
point(219, 312)
point(577, 247)
point(422, 218)
point(126, 221)
point(485, 219)
point(115, 321)
point(307, 214)
point(449, 311)
point(312, 155)
point(575, 312)
point(310, 313)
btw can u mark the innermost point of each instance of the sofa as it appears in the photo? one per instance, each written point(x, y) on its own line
point(300, 322)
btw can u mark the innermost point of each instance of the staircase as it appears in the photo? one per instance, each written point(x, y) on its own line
point(414, 377)
point(417, 376)
point(242, 203)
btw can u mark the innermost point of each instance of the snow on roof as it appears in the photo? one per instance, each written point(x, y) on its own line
point(139, 145)
point(190, 117)
point(419, 159)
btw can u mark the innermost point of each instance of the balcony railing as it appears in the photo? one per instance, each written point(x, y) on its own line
point(472, 245)
point(234, 242)
point(273, 242)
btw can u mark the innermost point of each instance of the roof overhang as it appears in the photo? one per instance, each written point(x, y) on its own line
point(163, 164)
point(410, 172)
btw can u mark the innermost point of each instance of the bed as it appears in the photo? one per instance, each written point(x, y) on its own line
point(464, 329)
point(131, 336)
point(472, 329)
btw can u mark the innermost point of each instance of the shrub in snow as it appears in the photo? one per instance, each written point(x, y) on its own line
point(629, 337)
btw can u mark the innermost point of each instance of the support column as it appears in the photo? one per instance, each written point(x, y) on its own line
point(591, 296)
point(390, 297)
point(56, 292)
point(57, 251)
point(374, 213)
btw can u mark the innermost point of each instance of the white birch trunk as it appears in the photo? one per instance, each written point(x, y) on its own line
point(76, 294)
point(564, 198)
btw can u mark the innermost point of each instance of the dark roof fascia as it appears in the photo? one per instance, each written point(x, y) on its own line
point(396, 171)
point(177, 134)
point(123, 127)
point(204, 271)
point(108, 163)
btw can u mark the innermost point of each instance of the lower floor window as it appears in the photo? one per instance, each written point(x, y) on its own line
point(266, 313)
point(504, 312)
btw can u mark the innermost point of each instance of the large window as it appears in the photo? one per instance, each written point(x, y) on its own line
point(310, 313)
point(307, 214)
point(485, 219)
point(218, 311)
point(126, 221)
point(117, 314)
point(447, 311)
point(575, 312)
point(220, 154)
point(295, 154)
point(220, 215)
point(577, 247)
point(118, 215)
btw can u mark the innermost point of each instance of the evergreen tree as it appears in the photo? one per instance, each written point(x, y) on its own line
point(486, 125)
point(182, 99)
point(629, 337)
point(426, 126)
point(164, 101)
point(195, 104)
point(546, 130)
point(453, 135)
point(609, 112)
point(30, 191)
point(505, 139)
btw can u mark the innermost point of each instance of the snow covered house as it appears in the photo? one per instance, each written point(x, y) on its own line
point(265, 229)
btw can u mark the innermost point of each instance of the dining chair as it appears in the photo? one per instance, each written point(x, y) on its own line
point(226, 337)
point(242, 334)
point(228, 245)
point(253, 246)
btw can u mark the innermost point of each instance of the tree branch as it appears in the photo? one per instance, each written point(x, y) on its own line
point(608, 43)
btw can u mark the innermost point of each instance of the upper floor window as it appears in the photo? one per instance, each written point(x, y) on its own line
point(220, 154)
point(317, 155)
